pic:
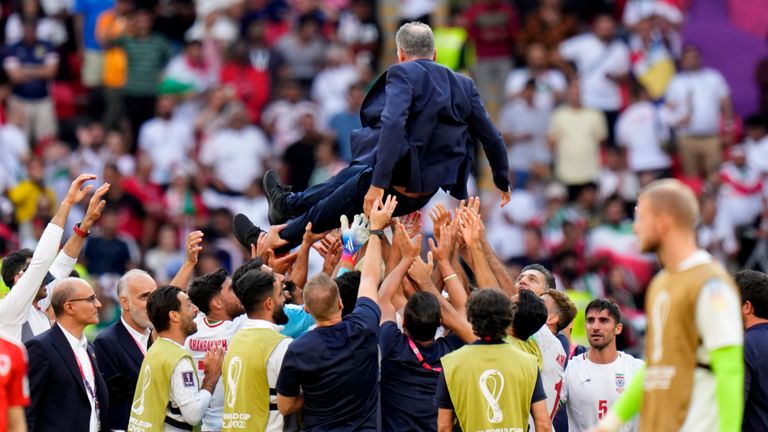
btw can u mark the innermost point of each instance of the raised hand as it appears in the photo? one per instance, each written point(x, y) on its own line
point(332, 257)
point(283, 264)
point(374, 193)
point(95, 206)
point(440, 217)
point(412, 223)
point(410, 247)
point(382, 213)
point(420, 271)
point(354, 236)
point(75, 194)
point(471, 228)
point(311, 238)
point(443, 250)
point(193, 246)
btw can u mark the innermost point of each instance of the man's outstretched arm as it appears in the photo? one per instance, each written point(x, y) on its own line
point(481, 128)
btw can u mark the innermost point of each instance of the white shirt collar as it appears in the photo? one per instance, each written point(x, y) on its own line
point(143, 338)
point(697, 258)
point(74, 342)
point(262, 324)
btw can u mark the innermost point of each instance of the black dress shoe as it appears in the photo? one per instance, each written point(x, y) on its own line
point(245, 231)
point(276, 192)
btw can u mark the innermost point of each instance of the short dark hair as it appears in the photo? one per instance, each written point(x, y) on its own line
point(566, 309)
point(254, 288)
point(530, 314)
point(756, 121)
point(490, 313)
point(601, 304)
point(421, 316)
point(754, 289)
point(206, 287)
point(160, 303)
point(543, 270)
point(251, 264)
point(349, 284)
point(13, 263)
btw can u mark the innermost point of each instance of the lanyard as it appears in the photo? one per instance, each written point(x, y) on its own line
point(88, 386)
point(420, 358)
point(138, 343)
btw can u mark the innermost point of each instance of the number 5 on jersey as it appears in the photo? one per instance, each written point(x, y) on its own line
point(602, 409)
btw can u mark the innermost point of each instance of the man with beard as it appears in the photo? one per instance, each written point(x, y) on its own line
point(168, 396)
point(120, 349)
point(253, 360)
point(221, 316)
point(694, 379)
point(595, 379)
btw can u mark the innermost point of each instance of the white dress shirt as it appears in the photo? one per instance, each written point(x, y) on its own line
point(142, 339)
point(80, 348)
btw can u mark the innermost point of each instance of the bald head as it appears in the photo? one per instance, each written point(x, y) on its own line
point(321, 298)
point(673, 198)
point(66, 290)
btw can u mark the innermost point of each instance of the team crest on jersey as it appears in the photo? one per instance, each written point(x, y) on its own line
point(620, 383)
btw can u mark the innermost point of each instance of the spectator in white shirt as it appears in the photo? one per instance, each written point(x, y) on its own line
point(756, 143)
point(236, 155)
point(281, 117)
point(166, 141)
point(523, 125)
point(14, 145)
point(329, 89)
point(697, 99)
point(602, 63)
point(641, 131)
point(550, 82)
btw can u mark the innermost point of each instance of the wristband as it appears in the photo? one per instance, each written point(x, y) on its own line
point(347, 257)
point(76, 229)
point(449, 277)
point(378, 232)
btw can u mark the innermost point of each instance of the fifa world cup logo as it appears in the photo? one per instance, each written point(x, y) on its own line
point(491, 385)
point(659, 315)
point(234, 369)
point(138, 404)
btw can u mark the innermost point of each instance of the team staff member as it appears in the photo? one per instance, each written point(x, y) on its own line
point(253, 360)
point(694, 380)
point(336, 365)
point(595, 380)
point(13, 387)
point(490, 384)
point(67, 390)
point(754, 309)
point(167, 395)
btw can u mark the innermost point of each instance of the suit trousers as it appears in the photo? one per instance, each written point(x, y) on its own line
point(323, 204)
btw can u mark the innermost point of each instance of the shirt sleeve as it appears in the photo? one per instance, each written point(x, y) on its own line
point(275, 361)
point(185, 393)
point(538, 390)
point(569, 49)
point(366, 314)
point(442, 396)
point(287, 382)
point(388, 336)
point(15, 305)
point(718, 316)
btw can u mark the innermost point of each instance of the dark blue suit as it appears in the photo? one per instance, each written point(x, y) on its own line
point(420, 123)
point(59, 399)
point(119, 360)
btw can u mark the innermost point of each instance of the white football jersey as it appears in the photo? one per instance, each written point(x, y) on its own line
point(553, 369)
point(590, 389)
point(209, 336)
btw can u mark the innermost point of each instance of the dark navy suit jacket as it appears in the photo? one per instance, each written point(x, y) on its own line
point(59, 400)
point(119, 362)
point(420, 123)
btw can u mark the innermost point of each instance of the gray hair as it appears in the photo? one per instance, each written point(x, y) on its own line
point(122, 284)
point(416, 40)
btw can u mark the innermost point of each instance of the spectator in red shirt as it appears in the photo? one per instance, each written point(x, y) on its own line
point(492, 27)
point(249, 78)
point(14, 389)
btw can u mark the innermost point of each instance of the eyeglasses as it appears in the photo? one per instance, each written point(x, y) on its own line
point(92, 299)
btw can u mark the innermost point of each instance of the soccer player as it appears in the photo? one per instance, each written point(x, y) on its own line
point(168, 396)
point(221, 317)
point(13, 387)
point(754, 309)
point(595, 380)
point(694, 380)
point(253, 360)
